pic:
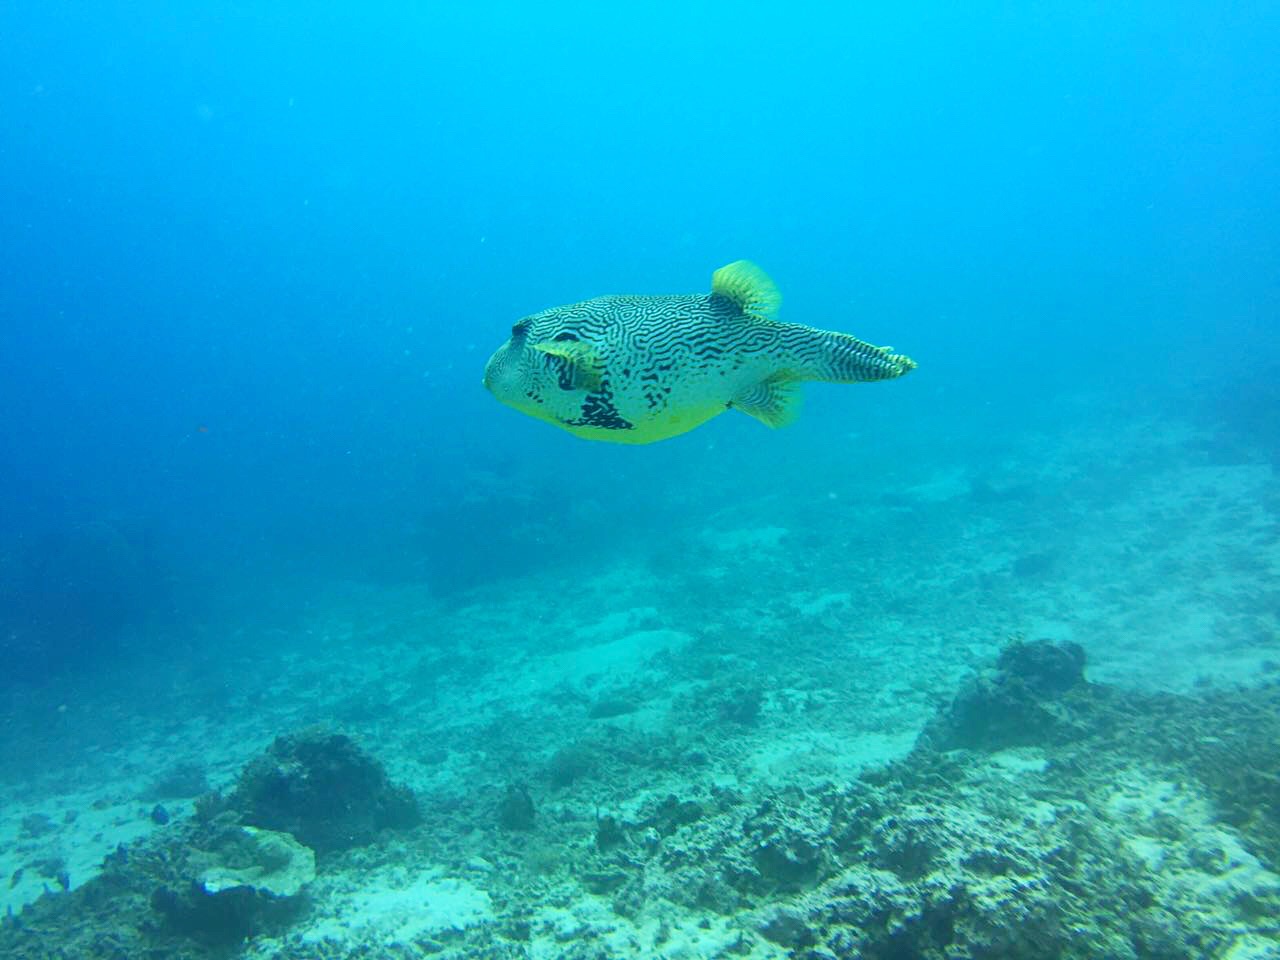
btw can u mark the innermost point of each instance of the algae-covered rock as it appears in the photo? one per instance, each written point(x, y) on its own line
point(572, 763)
point(516, 810)
point(209, 883)
point(264, 860)
point(787, 929)
point(243, 881)
point(190, 892)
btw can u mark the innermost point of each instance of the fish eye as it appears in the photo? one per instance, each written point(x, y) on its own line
point(520, 328)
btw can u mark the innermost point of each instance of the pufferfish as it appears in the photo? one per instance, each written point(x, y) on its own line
point(635, 369)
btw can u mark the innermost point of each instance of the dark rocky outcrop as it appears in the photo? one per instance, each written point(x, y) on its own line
point(1017, 704)
point(322, 788)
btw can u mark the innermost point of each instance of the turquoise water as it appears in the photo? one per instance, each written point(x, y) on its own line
point(254, 259)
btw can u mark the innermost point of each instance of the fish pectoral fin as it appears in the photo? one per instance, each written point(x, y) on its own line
point(774, 402)
point(749, 287)
point(582, 364)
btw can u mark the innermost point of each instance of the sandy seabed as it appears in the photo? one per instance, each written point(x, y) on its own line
point(752, 742)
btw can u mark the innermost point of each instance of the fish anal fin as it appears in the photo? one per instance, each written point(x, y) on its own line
point(749, 287)
point(582, 364)
point(775, 402)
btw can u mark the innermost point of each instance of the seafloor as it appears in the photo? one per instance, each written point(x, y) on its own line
point(826, 727)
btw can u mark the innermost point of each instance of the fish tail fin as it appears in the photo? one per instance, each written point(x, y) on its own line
point(841, 358)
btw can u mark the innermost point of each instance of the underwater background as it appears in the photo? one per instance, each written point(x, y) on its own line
point(743, 692)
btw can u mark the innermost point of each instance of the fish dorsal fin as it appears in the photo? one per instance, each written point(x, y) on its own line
point(749, 287)
point(775, 402)
point(581, 363)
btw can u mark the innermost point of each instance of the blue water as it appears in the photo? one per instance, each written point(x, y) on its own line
point(253, 258)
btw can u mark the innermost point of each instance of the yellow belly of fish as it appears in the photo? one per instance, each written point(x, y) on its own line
point(656, 426)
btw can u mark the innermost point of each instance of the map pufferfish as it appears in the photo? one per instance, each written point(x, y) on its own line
point(635, 369)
